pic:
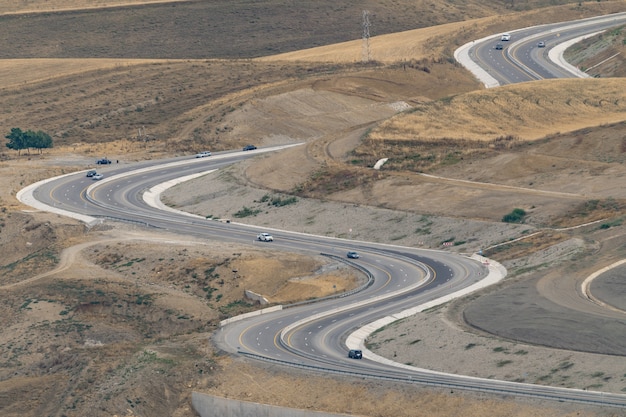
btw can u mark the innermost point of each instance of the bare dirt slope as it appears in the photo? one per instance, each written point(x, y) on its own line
point(534, 176)
point(119, 322)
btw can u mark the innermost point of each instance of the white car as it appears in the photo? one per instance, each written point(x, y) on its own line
point(97, 177)
point(265, 237)
point(203, 154)
point(505, 37)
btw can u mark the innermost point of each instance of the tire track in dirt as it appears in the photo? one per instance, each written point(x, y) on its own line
point(502, 187)
point(69, 256)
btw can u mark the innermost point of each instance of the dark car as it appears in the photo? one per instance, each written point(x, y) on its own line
point(249, 148)
point(499, 46)
point(353, 255)
point(91, 173)
point(355, 354)
point(103, 161)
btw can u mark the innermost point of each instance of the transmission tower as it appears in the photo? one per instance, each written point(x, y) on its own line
point(366, 56)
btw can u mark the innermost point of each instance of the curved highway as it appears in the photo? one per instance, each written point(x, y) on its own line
point(316, 335)
point(520, 58)
point(401, 281)
point(313, 334)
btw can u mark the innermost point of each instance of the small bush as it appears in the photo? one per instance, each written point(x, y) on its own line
point(246, 212)
point(516, 216)
point(279, 202)
point(608, 225)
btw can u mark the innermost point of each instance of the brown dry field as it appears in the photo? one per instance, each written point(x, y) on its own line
point(25, 6)
point(116, 320)
point(558, 106)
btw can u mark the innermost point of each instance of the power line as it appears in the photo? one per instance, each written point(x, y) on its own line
point(366, 54)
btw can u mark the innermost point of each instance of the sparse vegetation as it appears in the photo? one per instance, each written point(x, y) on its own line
point(279, 202)
point(613, 223)
point(610, 209)
point(149, 314)
point(236, 307)
point(516, 216)
point(530, 244)
point(563, 366)
point(246, 212)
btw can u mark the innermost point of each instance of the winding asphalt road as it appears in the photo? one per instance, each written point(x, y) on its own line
point(521, 60)
point(400, 281)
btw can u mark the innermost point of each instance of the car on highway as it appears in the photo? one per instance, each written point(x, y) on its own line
point(499, 46)
point(505, 37)
point(203, 154)
point(265, 237)
point(353, 255)
point(541, 44)
point(355, 354)
point(103, 161)
point(97, 177)
point(249, 148)
point(91, 173)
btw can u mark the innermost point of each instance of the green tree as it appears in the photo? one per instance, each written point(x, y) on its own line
point(38, 140)
point(16, 139)
point(19, 140)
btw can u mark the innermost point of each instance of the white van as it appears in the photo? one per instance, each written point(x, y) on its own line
point(505, 37)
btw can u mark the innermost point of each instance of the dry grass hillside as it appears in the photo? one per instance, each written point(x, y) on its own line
point(226, 29)
point(536, 110)
point(25, 6)
point(84, 99)
point(222, 29)
point(116, 320)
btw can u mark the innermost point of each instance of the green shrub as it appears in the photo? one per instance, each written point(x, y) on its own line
point(516, 216)
point(279, 202)
point(246, 212)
